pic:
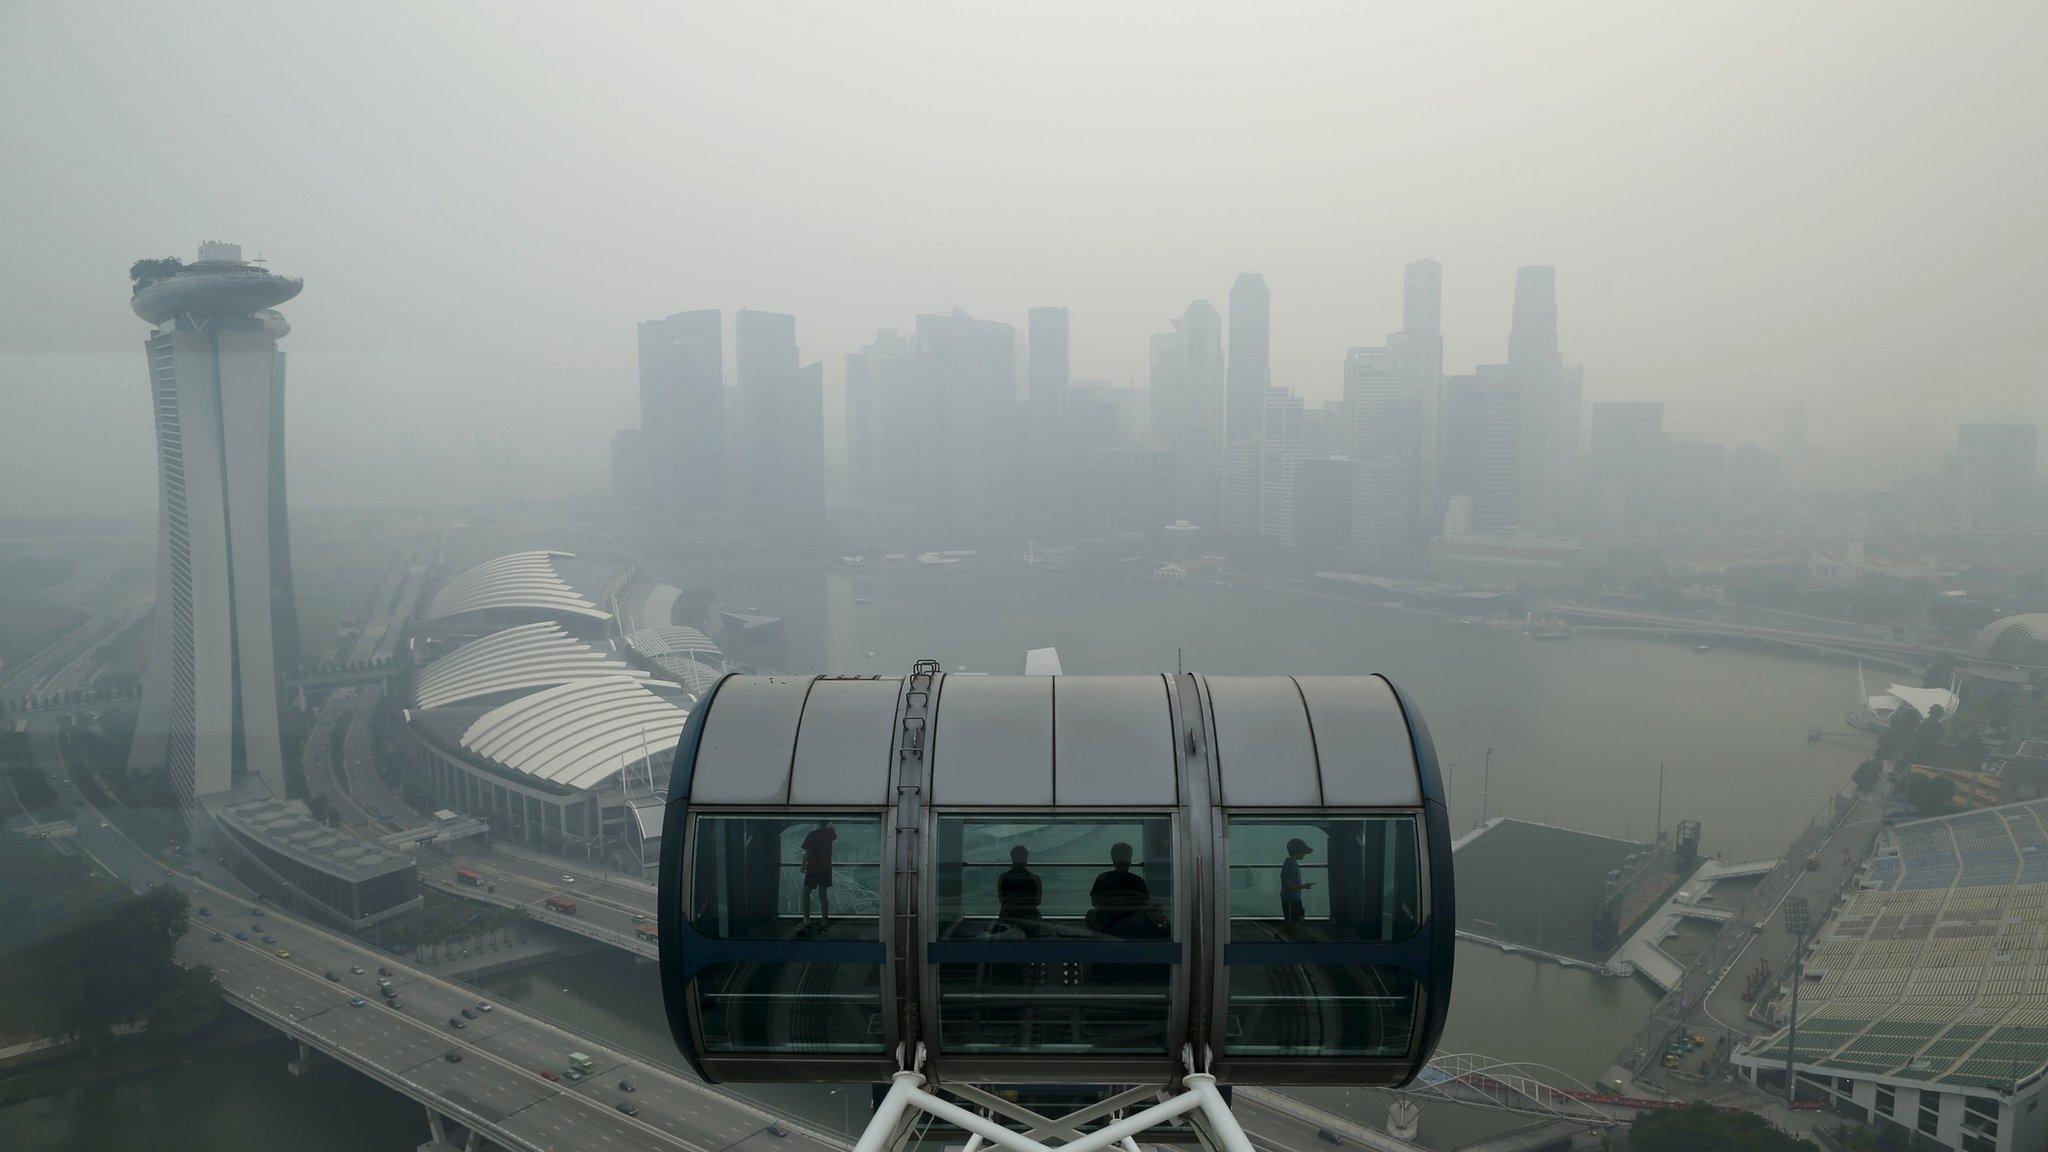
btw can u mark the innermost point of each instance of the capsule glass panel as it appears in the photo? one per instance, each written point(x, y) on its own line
point(1055, 933)
point(1326, 901)
point(784, 1007)
point(1327, 878)
point(787, 876)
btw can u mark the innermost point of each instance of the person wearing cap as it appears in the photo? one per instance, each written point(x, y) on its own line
point(1291, 887)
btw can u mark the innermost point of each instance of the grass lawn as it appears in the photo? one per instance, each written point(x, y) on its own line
point(1534, 885)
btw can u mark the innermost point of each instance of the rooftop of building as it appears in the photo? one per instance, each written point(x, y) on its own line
point(579, 734)
point(1936, 972)
point(539, 582)
point(521, 658)
point(288, 827)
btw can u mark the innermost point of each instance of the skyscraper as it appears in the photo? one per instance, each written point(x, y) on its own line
point(888, 426)
point(783, 408)
point(1539, 371)
point(1047, 462)
point(1251, 356)
point(682, 413)
point(1047, 366)
point(1627, 461)
point(1382, 446)
point(226, 621)
point(968, 370)
point(1279, 448)
point(1419, 349)
point(1248, 375)
point(1194, 419)
point(1965, 490)
point(1482, 447)
point(2012, 473)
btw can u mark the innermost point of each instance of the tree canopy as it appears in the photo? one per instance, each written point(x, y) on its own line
point(1704, 1128)
point(147, 272)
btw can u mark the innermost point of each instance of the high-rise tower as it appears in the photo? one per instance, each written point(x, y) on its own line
point(226, 620)
point(1549, 439)
point(682, 414)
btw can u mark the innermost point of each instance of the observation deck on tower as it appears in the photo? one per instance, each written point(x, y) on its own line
point(220, 285)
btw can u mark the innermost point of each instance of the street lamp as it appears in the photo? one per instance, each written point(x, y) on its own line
point(1796, 922)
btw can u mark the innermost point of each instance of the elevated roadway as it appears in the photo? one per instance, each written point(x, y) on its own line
point(496, 1087)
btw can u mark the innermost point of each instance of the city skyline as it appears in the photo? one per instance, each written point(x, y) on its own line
point(529, 279)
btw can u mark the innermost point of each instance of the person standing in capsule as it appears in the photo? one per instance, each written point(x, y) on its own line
point(1292, 912)
point(817, 849)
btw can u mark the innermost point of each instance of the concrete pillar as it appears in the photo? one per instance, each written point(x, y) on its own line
point(309, 1060)
point(437, 1136)
point(1404, 1119)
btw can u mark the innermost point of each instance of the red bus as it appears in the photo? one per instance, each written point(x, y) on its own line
point(562, 904)
point(468, 877)
point(649, 933)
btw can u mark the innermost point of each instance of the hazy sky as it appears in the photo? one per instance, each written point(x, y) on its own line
point(1846, 203)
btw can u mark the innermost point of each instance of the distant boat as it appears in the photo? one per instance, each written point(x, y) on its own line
point(862, 600)
point(1703, 647)
point(871, 655)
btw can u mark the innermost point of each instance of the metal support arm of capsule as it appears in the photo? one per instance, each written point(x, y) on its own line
point(1056, 879)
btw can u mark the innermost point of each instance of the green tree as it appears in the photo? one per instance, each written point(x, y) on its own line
point(108, 967)
point(1704, 1128)
point(187, 1006)
point(1931, 795)
point(1867, 773)
point(147, 272)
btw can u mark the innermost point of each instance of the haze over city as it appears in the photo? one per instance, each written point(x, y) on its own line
point(833, 577)
point(1836, 203)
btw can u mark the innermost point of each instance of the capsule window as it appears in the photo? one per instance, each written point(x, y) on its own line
point(1055, 934)
point(1320, 1010)
point(791, 1007)
point(1051, 878)
point(787, 876)
point(1338, 878)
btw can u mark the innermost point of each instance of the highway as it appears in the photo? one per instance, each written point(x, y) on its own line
point(609, 909)
point(497, 1088)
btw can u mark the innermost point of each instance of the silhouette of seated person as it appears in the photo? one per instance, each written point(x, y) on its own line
point(1120, 903)
point(1019, 892)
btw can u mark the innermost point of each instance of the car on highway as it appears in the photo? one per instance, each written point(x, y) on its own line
point(383, 971)
point(483, 1006)
point(454, 1022)
point(627, 1107)
point(205, 911)
point(284, 953)
point(241, 935)
point(568, 879)
point(573, 1075)
point(215, 937)
point(357, 969)
point(270, 939)
point(468, 1015)
point(103, 823)
point(395, 1002)
point(627, 1086)
point(333, 975)
point(777, 1130)
point(548, 1074)
point(453, 1057)
point(356, 1001)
